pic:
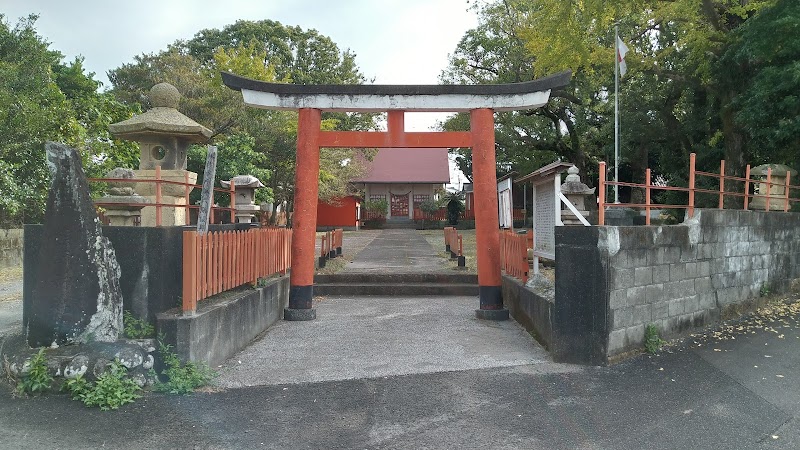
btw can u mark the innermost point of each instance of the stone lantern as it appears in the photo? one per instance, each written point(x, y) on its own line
point(777, 189)
point(576, 192)
point(164, 136)
point(245, 193)
point(122, 204)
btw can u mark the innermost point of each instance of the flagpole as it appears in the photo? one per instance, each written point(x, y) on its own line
point(616, 112)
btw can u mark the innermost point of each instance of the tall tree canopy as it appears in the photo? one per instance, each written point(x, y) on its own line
point(264, 50)
point(43, 98)
point(715, 77)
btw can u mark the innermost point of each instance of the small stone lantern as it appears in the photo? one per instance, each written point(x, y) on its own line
point(777, 189)
point(245, 193)
point(122, 204)
point(164, 136)
point(576, 192)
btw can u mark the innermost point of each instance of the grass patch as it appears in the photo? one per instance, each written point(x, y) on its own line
point(436, 239)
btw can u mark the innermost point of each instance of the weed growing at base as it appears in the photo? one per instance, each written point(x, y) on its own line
point(136, 328)
point(38, 379)
point(181, 378)
point(112, 389)
point(652, 341)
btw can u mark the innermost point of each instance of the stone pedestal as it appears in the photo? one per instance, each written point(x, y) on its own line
point(171, 194)
point(246, 213)
point(124, 214)
point(776, 188)
point(568, 218)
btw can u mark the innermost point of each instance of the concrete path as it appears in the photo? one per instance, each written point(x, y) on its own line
point(398, 251)
point(372, 337)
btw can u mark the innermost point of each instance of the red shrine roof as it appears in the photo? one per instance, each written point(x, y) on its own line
point(409, 165)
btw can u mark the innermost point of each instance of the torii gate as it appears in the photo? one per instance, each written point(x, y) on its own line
point(480, 100)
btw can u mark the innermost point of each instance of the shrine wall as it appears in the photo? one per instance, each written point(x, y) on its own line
point(679, 278)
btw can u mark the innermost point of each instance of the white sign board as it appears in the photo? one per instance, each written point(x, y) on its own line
point(505, 203)
point(546, 216)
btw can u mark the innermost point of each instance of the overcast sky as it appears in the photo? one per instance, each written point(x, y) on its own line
point(395, 41)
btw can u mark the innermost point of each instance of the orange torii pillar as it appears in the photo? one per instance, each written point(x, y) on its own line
point(304, 217)
point(487, 223)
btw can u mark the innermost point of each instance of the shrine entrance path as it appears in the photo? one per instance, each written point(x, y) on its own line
point(375, 336)
point(366, 337)
point(398, 251)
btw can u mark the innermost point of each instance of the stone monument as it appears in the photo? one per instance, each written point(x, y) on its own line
point(245, 190)
point(777, 188)
point(76, 296)
point(164, 136)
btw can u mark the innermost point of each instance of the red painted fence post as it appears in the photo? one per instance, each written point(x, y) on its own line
point(601, 195)
point(692, 161)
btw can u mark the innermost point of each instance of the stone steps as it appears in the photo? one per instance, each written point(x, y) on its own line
point(396, 285)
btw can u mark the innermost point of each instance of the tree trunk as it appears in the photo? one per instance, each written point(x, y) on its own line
point(735, 160)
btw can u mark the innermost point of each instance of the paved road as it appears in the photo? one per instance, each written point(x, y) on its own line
point(10, 306)
point(698, 398)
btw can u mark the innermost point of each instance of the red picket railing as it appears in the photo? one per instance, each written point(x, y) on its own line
point(326, 244)
point(217, 261)
point(453, 241)
point(159, 182)
point(440, 214)
point(786, 199)
point(514, 254)
point(338, 237)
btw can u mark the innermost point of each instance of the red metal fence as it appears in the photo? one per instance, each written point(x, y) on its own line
point(514, 254)
point(785, 199)
point(187, 188)
point(221, 260)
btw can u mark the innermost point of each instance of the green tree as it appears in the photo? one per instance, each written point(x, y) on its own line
point(680, 94)
point(765, 54)
point(42, 98)
point(263, 50)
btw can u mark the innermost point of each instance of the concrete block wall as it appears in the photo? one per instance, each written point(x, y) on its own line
point(11, 245)
point(683, 277)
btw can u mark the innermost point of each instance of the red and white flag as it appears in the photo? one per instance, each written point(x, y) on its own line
point(622, 50)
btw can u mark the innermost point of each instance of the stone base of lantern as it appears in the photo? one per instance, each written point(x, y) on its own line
point(125, 213)
point(170, 215)
point(167, 189)
point(171, 194)
point(568, 218)
point(246, 213)
point(776, 203)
